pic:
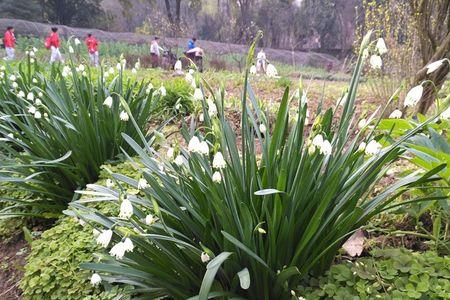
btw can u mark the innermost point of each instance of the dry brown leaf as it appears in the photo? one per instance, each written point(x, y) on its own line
point(354, 246)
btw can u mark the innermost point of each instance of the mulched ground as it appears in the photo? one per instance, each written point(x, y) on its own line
point(13, 254)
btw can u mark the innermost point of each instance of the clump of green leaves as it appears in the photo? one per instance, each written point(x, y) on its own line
point(57, 128)
point(264, 222)
point(389, 274)
point(178, 99)
point(283, 82)
point(428, 150)
point(9, 228)
point(53, 266)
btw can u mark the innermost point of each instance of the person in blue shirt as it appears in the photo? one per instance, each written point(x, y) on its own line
point(191, 43)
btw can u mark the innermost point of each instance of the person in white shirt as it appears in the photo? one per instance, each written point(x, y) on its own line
point(154, 52)
point(261, 61)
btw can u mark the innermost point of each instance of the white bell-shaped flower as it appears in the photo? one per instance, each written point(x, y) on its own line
point(118, 250)
point(178, 66)
point(271, 71)
point(126, 209)
point(194, 144)
point(381, 46)
point(142, 184)
point(203, 148)
point(373, 148)
point(104, 238)
point(218, 161)
point(376, 62)
point(95, 279)
point(413, 96)
point(108, 102)
point(198, 94)
point(217, 177)
point(124, 116)
point(262, 128)
point(30, 96)
point(435, 65)
point(128, 245)
point(150, 219)
point(205, 257)
point(179, 160)
point(396, 114)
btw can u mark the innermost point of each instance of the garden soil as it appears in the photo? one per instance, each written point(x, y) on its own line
point(13, 254)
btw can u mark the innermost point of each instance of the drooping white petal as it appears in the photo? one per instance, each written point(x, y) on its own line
point(203, 148)
point(150, 219)
point(179, 160)
point(30, 96)
point(326, 148)
point(362, 123)
point(318, 140)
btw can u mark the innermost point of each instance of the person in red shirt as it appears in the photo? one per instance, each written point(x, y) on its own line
point(54, 46)
point(10, 43)
point(92, 45)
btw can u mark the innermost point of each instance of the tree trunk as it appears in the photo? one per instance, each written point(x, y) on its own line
point(174, 21)
point(177, 16)
point(432, 26)
point(169, 12)
point(438, 77)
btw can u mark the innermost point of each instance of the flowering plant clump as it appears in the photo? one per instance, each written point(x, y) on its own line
point(58, 130)
point(230, 222)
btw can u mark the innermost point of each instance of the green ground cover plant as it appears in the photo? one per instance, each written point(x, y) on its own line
point(387, 274)
point(53, 266)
